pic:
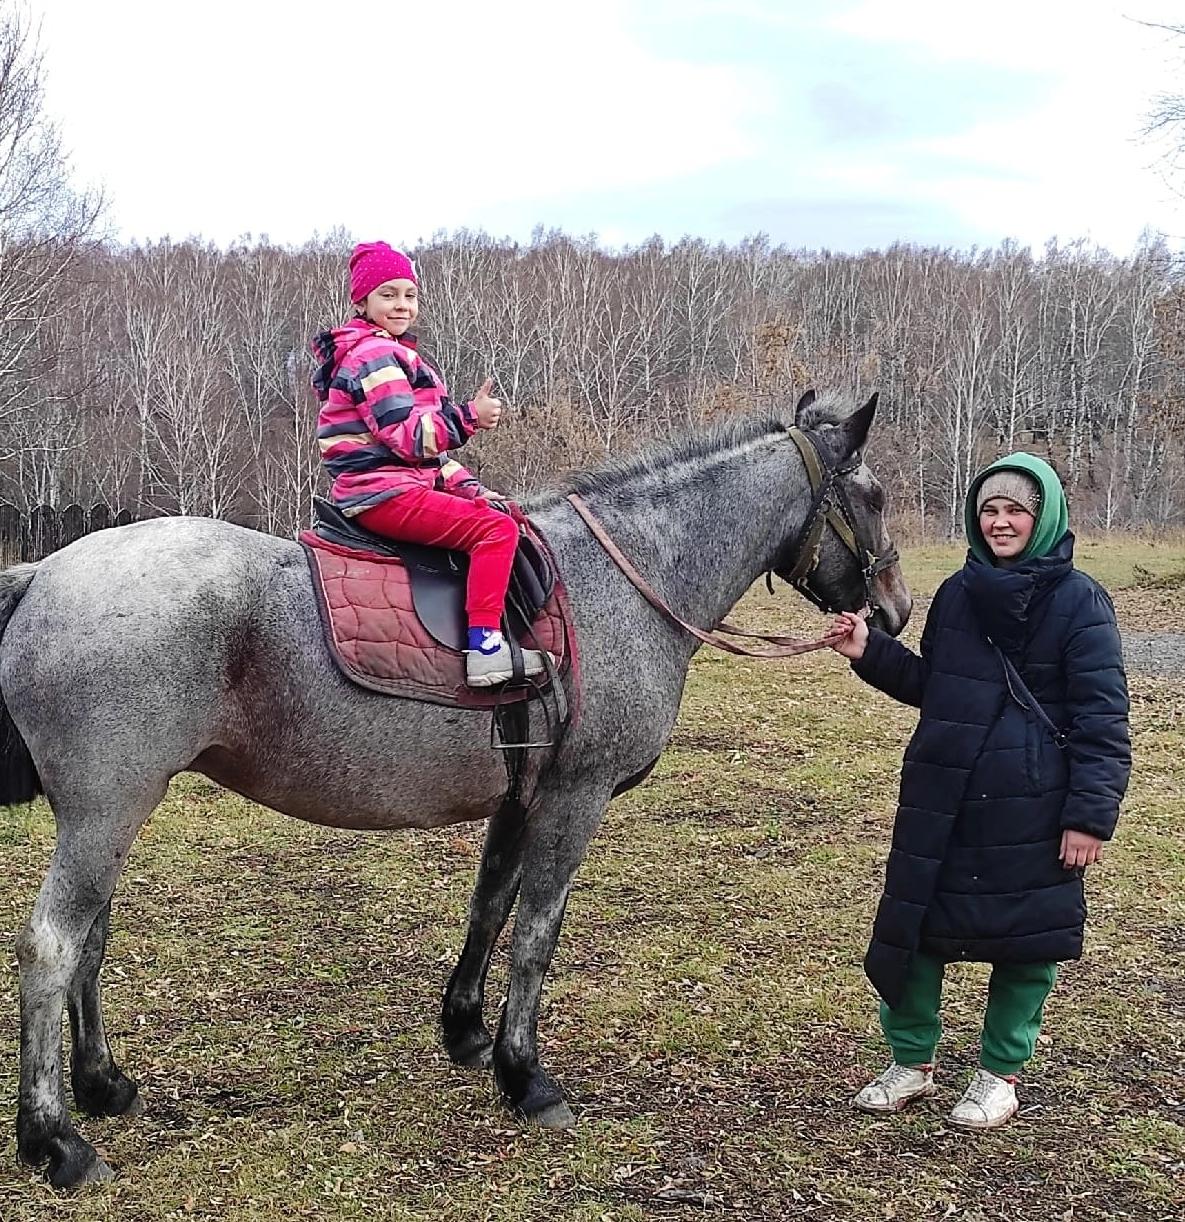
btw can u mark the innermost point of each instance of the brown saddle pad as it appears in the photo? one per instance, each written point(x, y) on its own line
point(378, 642)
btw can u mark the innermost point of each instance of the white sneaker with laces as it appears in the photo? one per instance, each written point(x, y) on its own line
point(485, 669)
point(896, 1088)
point(988, 1102)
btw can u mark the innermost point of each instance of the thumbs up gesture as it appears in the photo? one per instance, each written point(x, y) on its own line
point(487, 410)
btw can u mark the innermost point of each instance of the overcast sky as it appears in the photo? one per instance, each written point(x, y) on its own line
point(839, 123)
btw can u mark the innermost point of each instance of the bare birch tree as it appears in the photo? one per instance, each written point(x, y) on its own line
point(43, 223)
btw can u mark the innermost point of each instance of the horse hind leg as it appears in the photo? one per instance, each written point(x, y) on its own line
point(49, 950)
point(53, 954)
point(466, 1038)
point(100, 1087)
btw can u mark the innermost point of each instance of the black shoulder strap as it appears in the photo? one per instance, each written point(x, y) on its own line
point(1019, 691)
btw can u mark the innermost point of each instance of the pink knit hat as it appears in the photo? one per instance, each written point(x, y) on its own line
point(374, 263)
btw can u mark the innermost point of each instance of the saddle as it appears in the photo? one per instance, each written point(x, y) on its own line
point(394, 613)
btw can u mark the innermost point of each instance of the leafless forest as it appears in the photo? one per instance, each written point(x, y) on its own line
point(173, 378)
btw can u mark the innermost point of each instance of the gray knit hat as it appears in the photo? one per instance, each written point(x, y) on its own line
point(1015, 485)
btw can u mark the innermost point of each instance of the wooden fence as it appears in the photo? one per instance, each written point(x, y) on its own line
point(33, 535)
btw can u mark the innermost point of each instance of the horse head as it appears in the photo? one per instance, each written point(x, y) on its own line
point(842, 557)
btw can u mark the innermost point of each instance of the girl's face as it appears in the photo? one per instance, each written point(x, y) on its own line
point(1006, 527)
point(393, 306)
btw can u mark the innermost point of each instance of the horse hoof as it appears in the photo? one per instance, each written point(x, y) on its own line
point(481, 1057)
point(538, 1100)
point(30, 1156)
point(474, 1050)
point(555, 1116)
point(98, 1173)
point(116, 1096)
point(73, 1162)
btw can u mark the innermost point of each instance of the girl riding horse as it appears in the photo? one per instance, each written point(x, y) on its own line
point(385, 431)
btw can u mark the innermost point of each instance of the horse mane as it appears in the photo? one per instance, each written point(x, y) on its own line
point(719, 435)
point(725, 433)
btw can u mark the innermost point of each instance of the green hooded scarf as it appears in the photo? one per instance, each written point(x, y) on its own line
point(1052, 521)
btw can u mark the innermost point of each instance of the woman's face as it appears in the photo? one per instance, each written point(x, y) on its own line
point(393, 306)
point(1006, 527)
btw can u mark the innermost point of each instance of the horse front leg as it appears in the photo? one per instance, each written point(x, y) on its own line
point(561, 826)
point(466, 1038)
point(100, 1087)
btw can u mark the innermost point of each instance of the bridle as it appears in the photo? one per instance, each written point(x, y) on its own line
point(829, 505)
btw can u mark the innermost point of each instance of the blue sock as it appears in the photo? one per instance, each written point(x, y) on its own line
point(479, 639)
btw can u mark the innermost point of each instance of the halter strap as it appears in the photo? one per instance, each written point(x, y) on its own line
point(824, 512)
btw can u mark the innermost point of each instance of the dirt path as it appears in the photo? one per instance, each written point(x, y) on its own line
point(1155, 653)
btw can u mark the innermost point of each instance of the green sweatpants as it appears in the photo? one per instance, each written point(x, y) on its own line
point(1016, 999)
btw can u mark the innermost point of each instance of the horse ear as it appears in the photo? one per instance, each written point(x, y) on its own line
point(807, 399)
point(855, 427)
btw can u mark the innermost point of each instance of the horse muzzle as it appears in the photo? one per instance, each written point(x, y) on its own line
point(891, 614)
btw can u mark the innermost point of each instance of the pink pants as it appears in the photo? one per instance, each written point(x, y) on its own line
point(439, 519)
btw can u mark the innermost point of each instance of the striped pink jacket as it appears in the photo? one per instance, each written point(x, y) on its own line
point(386, 420)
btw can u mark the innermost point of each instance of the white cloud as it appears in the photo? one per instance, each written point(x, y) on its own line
point(289, 116)
point(1073, 35)
point(1071, 166)
point(286, 117)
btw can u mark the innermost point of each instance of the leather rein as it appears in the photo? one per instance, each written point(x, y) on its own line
point(829, 505)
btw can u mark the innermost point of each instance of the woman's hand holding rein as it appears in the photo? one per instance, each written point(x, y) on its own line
point(848, 635)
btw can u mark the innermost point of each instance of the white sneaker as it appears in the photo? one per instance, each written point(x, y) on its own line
point(497, 666)
point(897, 1087)
point(987, 1103)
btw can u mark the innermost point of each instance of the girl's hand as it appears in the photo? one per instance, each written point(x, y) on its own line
point(848, 635)
point(495, 500)
point(486, 409)
point(1079, 849)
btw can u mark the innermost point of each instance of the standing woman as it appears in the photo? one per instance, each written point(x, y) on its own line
point(1010, 786)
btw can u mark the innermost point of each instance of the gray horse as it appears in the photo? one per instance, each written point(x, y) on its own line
point(189, 643)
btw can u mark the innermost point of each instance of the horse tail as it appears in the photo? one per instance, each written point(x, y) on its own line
point(19, 781)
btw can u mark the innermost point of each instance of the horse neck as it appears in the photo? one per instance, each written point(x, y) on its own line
point(703, 530)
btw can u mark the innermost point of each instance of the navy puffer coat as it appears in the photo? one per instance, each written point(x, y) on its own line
point(973, 872)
